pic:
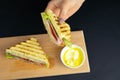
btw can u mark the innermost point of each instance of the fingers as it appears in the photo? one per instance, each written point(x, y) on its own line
point(56, 11)
point(52, 6)
point(74, 9)
point(68, 9)
point(64, 8)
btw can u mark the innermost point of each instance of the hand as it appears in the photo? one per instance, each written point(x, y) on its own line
point(64, 8)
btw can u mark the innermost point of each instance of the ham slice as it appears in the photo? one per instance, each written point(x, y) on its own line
point(54, 33)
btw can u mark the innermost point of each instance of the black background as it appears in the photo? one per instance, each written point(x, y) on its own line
point(99, 19)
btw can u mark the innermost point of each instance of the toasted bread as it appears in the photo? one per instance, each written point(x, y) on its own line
point(31, 50)
point(56, 30)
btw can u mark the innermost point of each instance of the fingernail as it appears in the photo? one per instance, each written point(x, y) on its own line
point(61, 20)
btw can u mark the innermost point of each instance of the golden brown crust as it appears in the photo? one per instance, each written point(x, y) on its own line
point(62, 30)
point(31, 50)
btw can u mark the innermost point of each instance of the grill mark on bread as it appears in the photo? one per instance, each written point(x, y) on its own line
point(39, 51)
point(30, 45)
point(30, 50)
point(63, 30)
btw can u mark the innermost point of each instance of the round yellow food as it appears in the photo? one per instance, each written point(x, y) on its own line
point(72, 57)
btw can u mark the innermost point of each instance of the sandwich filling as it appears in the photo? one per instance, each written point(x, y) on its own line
point(54, 33)
point(29, 50)
point(55, 30)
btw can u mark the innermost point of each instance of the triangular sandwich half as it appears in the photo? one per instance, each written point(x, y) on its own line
point(56, 31)
point(30, 50)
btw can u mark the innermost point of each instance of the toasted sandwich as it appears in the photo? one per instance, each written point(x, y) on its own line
point(56, 31)
point(30, 50)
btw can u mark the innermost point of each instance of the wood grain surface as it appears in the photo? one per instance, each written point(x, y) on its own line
point(17, 68)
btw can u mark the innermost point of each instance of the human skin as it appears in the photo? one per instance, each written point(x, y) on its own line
point(64, 8)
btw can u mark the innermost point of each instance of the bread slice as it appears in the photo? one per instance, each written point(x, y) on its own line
point(56, 30)
point(31, 50)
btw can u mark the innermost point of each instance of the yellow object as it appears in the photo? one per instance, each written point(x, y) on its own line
point(56, 30)
point(30, 50)
point(72, 57)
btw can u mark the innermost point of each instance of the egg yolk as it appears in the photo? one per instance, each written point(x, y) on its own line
point(73, 57)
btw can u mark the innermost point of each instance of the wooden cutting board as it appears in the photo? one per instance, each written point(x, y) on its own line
point(19, 68)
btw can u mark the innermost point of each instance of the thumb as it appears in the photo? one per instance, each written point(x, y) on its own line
point(63, 11)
